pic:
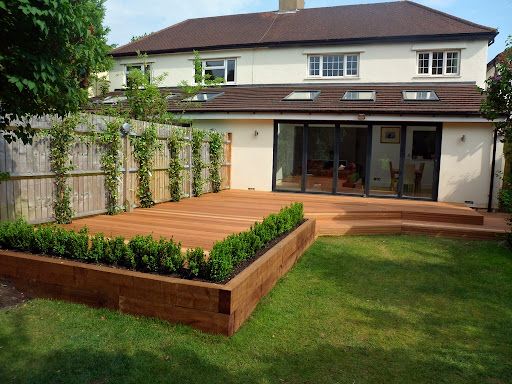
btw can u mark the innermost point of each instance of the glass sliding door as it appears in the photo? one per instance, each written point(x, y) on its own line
point(289, 155)
point(385, 160)
point(352, 153)
point(320, 158)
point(419, 179)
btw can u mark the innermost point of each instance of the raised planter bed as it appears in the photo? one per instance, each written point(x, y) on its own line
point(210, 307)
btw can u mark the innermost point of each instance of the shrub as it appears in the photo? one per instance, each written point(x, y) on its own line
point(196, 259)
point(171, 258)
point(156, 256)
point(226, 255)
point(98, 247)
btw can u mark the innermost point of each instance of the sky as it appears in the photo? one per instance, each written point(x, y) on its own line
point(127, 18)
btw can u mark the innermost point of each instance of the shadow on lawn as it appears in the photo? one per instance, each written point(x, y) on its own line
point(322, 363)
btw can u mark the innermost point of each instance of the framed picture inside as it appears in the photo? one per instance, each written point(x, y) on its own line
point(390, 135)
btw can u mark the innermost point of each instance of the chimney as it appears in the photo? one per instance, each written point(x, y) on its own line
point(290, 5)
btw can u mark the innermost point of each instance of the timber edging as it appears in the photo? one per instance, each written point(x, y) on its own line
point(210, 307)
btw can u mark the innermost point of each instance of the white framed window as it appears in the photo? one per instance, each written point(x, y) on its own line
point(220, 68)
point(144, 68)
point(439, 63)
point(333, 65)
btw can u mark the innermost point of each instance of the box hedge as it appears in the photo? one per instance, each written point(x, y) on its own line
point(145, 254)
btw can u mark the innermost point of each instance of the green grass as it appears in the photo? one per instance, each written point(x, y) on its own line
point(354, 310)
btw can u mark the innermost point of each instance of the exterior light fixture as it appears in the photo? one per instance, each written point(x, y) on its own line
point(125, 129)
point(256, 133)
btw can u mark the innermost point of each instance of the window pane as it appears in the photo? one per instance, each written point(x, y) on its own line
point(423, 62)
point(289, 157)
point(351, 168)
point(452, 62)
point(214, 73)
point(215, 63)
point(420, 95)
point(314, 66)
point(231, 71)
point(303, 95)
point(333, 66)
point(352, 64)
point(320, 160)
point(359, 95)
point(437, 63)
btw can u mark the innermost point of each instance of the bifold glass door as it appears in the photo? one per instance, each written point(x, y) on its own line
point(394, 160)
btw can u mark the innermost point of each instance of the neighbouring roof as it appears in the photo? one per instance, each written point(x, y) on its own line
point(399, 20)
point(454, 99)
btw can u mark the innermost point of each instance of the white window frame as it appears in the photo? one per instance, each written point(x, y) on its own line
point(142, 68)
point(224, 67)
point(445, 61)
point(321, 71)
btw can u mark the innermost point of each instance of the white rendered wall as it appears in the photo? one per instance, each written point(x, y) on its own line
point(251, 155)
point(466, 164)
point(379, 63)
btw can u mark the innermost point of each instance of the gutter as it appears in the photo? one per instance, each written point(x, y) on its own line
point(493, 170)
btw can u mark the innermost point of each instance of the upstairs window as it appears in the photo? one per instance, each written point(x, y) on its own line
point(333, 65)
point(439, 63)
point(144, 68)
point(220, 68)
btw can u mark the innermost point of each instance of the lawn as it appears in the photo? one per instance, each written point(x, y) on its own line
point(354, 310)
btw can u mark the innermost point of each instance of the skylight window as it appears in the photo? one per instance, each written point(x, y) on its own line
point(359, 95)
point(420, 95)
point(203, 97)
point(113, 99)
point(302, 96)
point(171, 96)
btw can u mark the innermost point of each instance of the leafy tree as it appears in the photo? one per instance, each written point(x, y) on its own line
point(48, 52)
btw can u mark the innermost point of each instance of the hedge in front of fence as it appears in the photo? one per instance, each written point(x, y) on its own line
point(145, 254)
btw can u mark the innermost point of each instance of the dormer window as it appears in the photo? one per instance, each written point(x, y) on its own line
point(439, 63)
point(329, 66)
point(420, 96)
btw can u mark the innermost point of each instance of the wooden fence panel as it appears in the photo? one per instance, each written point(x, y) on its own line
point(29, 193)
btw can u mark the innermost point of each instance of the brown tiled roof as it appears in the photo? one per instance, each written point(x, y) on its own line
point(350, 23)
point(454, 99)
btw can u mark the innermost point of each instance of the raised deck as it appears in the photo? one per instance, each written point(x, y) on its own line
point(199, 222)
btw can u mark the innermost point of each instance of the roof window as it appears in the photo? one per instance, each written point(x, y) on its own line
point(420, 96)
point(359, 95)
point(302, 96)
point(203, 97)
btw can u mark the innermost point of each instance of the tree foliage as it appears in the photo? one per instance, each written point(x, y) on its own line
point(497, 105)
point(48, 52)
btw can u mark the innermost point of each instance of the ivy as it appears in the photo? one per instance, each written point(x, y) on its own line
point(176, 143)
point(216, 150)
point(111, 162)
point(144, 149)
point(62, 138)
point(198, 165)
point(4, 176)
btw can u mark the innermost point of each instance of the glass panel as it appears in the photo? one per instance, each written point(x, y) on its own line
point(314, 66)
point(452, 63)
point(420, 95)
point(215, 63)
point(319, 177)
point(423, 63)
point(230, 78)
point(385, 164)
point(289, 157)
point(352, 159)
point(303, 95)
point(214, 73)
point(437, 63)
point(352, 65)
point(202, 97)
point(359, 95)
point(419, 166)
point(333, 66)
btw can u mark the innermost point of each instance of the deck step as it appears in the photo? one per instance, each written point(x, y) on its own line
point(358, 227)
point(452, 230)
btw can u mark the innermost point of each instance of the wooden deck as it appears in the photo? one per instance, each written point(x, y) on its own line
point(199, 222)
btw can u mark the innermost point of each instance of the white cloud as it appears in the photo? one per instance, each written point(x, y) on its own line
point(127, 18)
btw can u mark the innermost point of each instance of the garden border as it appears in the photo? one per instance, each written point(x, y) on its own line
point(210, 307)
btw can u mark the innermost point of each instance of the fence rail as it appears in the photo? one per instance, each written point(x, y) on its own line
point(29, 192)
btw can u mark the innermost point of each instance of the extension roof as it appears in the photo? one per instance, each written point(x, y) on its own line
point(461, 99)
point(393, 21)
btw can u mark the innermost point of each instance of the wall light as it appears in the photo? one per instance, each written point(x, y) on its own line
point(463, 138)
point(256, 133)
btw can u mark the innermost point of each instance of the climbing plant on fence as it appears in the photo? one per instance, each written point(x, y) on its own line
point(144, 148)
point(111, 162)
point(216, 149)
point(176, 143)
point(62, 139)
point(198, 165)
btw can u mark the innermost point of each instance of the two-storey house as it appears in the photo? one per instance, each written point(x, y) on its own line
point(371, 100)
